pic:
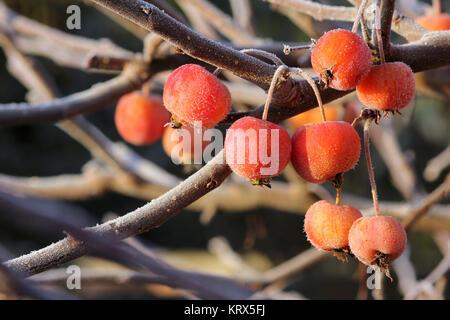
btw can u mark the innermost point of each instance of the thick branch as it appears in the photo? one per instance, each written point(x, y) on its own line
point(142, 219)
point(89, 100)
point(387, 12)
point(191, 42)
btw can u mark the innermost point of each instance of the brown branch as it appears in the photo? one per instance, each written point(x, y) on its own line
point(430, 52)
point(164, 6)
point(70, 106)
point(26, 26)
point(242, 14)
point(224, 23)
point(436, 165)
point(387, 11)
point(122, 159)
point(198, 22)
point(215, 172)
point(402, 25)
point(233, 197)
point(442, 191)
point(319, 11)
point(403, 176)
point(142, 219)
point(191, 42)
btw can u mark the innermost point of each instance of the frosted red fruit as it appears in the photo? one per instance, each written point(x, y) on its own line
point(191, 94)
point(321, 151)
point(180, 144)
point(257, 149)
point(140, 119)
point(389, 86)
point(327, 224)
point(377, 240)
point(341, 58)
point(438, 22)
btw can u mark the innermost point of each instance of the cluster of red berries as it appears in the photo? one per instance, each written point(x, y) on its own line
point(344, 62)
point(191, 95)
point(323, 150)
point(319, 151)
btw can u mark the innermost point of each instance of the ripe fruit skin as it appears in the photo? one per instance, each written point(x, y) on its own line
point(370, 235)
point(438, 22)
point(389, 86)
point(252, 163)
point(140, 119)
point(346, 54)
point(321, 151)
point(314, 116)
point(185, 141)
point(191, 94)
point(327, 224)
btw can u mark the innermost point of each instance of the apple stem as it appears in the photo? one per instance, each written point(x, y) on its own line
point(338, 196)
point(437, 6)
point(217, 72)
point(287, 49)
point(373, 184)
point(146, 88)
point(315, 89)
point(273, 84)
point(264, 54)
point(378, 27)
point(361, 8)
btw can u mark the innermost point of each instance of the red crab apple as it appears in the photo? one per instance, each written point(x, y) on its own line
point(327, 225)
point(192, 94)
point(321, 151)
point(257, 149)
point(341, 58)
point(140, 119)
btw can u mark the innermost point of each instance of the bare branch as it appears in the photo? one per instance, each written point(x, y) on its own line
point(142, 219)
point(224, 23)
point(436, 165)
point(242, 14)
point(442, 191)
point(430, 52)
point(319, 11)
point(403, 176)
point(32, 28)
point(401, 24)
point(387, 11)
point(294, 93)
point(89, 100)
point(197, 20)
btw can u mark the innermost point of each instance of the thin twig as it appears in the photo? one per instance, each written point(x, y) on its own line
point(276, 76)
point(373, 185)
point(224, 23)
point(242, 14)
point(402, 25)
point(442, 191)
point(313, 85)
point(378, 28)
point(264, 54)
point(436, 165)
point(359, 14)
